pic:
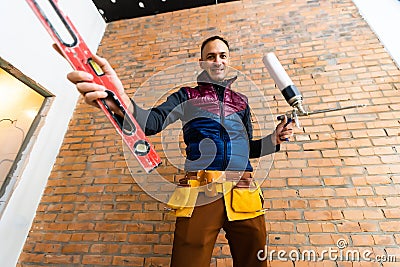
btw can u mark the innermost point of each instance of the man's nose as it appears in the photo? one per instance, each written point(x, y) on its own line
point(218, 59)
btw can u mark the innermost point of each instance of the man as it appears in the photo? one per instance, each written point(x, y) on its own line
point(218, 133)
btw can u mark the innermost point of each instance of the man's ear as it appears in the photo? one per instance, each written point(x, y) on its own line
point(202, 64)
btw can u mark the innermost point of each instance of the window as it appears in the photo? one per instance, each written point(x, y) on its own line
point(21, 107)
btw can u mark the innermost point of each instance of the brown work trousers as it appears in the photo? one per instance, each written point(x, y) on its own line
point(195, 237)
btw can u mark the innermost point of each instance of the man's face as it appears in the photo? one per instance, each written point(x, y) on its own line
point(215, 60)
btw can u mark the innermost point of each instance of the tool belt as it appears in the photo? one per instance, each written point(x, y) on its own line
point(211, 180)
point(241, 179)
point(243, 198)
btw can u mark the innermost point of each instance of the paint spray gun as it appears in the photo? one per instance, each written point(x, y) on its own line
point(291, 93)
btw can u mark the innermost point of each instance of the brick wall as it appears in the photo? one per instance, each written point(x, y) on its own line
point(338, 178)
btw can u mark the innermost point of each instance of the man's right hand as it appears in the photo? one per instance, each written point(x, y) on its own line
point(92, 91)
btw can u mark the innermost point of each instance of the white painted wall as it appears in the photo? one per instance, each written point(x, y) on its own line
point(383, 17)
point(26, 45)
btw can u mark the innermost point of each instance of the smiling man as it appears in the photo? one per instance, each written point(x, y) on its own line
point(215, 58)
point(218, 190)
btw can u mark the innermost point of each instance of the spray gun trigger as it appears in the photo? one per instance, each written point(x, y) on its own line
point(296, 120)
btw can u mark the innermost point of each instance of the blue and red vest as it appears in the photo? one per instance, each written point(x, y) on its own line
point(214, 130)
point(216, 122)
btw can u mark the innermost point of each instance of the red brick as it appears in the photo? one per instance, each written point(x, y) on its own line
point(104, 248)
point(97, 260)
point(136, 249)
point(322, 215)
point(75, 248)
point(156, 261)
point(128, 261)
point(390, 226)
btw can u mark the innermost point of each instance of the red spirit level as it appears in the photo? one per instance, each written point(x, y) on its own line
point(79, 56)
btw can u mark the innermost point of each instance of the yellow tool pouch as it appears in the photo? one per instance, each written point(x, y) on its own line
point(183, 200)
point(242, 203)
point(180, 198)
point(246, 199)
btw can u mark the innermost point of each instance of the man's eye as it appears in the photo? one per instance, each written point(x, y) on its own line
point(223, 56)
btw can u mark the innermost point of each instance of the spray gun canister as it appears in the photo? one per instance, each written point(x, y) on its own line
point(290, 92)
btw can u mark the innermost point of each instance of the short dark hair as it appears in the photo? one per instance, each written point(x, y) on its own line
point(210, 39)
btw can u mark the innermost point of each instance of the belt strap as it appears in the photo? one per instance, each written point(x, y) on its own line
point(242, 178)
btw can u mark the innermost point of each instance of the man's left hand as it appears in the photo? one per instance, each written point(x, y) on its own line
point(284, 130)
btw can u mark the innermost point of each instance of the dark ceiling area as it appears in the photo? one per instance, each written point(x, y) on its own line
point(113, 10)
